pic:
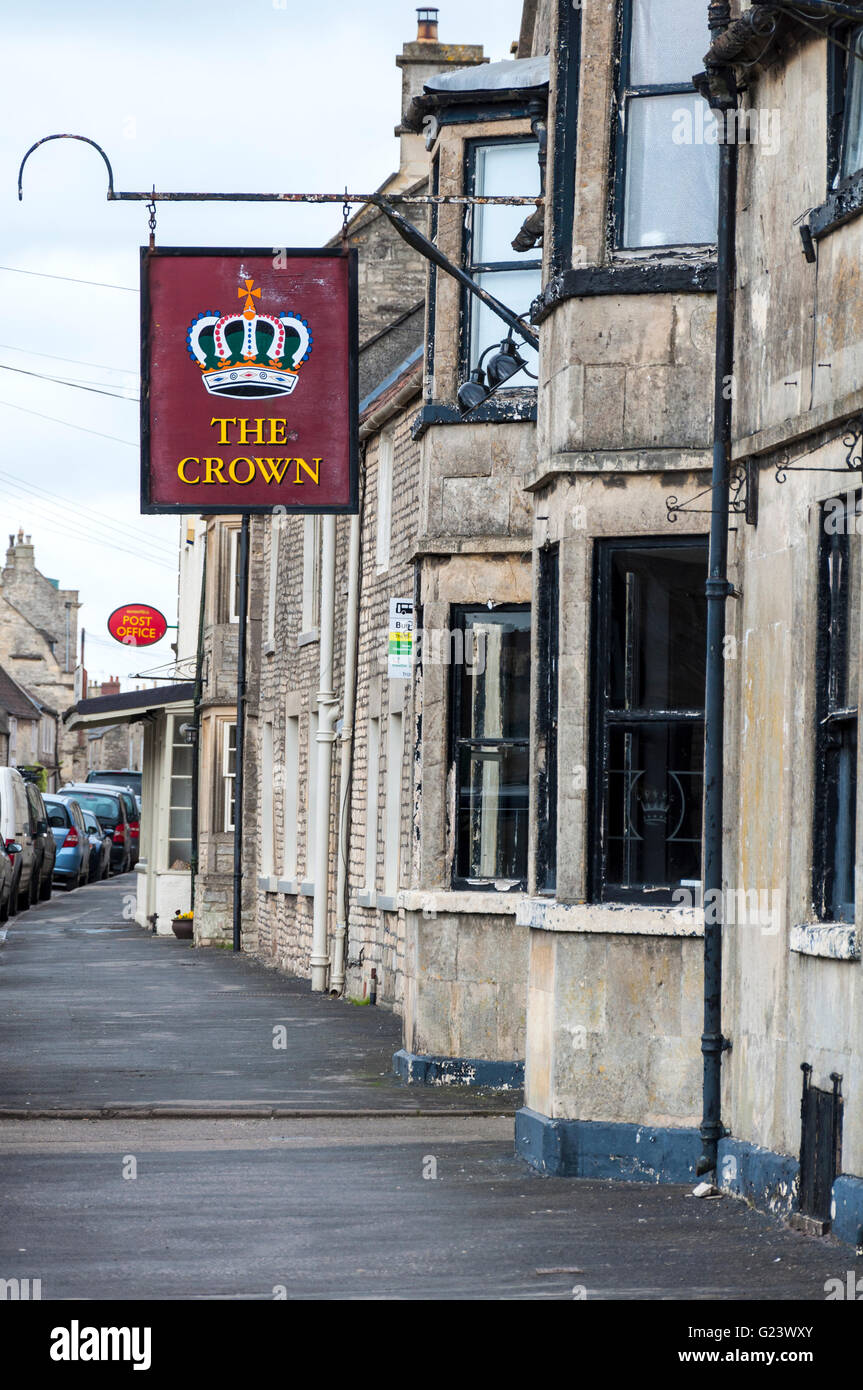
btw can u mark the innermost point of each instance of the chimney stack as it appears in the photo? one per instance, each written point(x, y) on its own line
point(419, 61)
point(427, 26)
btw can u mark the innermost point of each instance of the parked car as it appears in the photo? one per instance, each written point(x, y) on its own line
point(133, 817)
point(109, 808)
point(17, 838)
point(118, 777)
point(7, 874)
point(44, 844)
point(72, 864)
point(100, 847)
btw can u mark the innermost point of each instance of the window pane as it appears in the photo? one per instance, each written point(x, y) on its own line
point(669, 40)
point(657, 645)
point(492, 813)
point(843, 762)
point(181, 760)
point(181, 791)
point(180, 825)
point(495, 676)
point(655, 784)
point(517, 289)
point(501, 171)
point(852, 151)
point(852, 637)
point(671, 188)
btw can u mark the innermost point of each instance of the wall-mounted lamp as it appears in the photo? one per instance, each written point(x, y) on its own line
point(483, 382)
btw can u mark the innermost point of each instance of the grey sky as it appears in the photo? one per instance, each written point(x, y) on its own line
point(252, 95)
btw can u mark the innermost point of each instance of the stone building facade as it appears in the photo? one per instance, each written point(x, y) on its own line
point(526, 880)
point(38, 644)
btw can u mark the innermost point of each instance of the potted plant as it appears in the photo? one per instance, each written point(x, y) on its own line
point(183, 925)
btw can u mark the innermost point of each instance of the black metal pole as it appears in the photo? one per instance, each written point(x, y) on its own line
point(712, 1041)
point(196, 725)
point(243, 607)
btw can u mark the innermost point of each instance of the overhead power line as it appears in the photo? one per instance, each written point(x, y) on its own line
point(70, 509)
point(43, 275)
point(80, 385)
point(39, 414)
point(78, 361)
point(58, 527)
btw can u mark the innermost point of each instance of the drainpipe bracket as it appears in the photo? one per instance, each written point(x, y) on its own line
point(720, 588)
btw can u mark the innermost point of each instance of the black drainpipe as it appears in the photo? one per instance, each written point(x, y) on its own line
point(196, 724)
point(713, 1043)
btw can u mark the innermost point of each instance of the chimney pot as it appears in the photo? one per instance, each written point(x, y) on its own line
point(427, 26)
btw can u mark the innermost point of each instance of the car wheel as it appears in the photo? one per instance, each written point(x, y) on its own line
point(69, 884)
point(23, 898)
point(45, 890)
point(4, 907)
point(34, 889)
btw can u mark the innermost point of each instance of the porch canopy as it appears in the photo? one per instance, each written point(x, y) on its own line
point(131, 707)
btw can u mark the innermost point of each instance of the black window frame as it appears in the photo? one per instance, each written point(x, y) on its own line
point(840, 38)
point(835, 721)
point(843, 199)
point(473, 268)
point(567, 60)
point(599, 890)
point(458, 613)
point(548, 664)
point(623, 93)
point(434, 218)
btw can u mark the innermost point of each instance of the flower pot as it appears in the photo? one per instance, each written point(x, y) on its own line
point(183, 928)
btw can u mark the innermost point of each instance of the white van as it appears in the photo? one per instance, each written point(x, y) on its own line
point(15, 830)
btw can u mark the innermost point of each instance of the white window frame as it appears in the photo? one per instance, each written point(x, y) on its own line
point(385, 502)
point(373, 764)
point(393, 802)
point(275, 537)
point(233, 561)
point(291, 796)
point(311, 796)
point(228, 777)
point(311, 574)
point(268, 804)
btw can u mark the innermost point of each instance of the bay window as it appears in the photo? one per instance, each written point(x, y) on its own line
point(499, 168)
point(666, 185)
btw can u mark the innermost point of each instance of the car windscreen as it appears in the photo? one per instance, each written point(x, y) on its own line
point(91, 822)
point(118, 779)
point(58, 814)
point(107, 808)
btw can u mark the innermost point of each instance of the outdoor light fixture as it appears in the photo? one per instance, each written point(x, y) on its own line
point(473, 391)
point(505, 363)
point(484, 381)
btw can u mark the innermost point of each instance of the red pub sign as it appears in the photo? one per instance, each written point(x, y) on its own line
point(249, 380)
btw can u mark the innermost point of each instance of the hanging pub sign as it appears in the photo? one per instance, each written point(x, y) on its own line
point(248, 380)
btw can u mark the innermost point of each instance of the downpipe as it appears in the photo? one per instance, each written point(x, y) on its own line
point(337, 974)
point(326, 735)
point(713, 1043)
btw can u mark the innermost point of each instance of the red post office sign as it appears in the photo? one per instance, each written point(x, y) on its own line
point(249, 380)
point(137, 625)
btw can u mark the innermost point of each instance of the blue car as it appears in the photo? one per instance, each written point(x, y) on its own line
point(72, 865)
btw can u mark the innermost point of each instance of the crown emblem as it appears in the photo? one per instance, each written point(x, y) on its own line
point(247, 353)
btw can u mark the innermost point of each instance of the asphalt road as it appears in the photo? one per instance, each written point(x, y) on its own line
point(97, 1015)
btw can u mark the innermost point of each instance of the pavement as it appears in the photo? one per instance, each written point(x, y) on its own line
point(98, 1013)
point(348, 1185)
